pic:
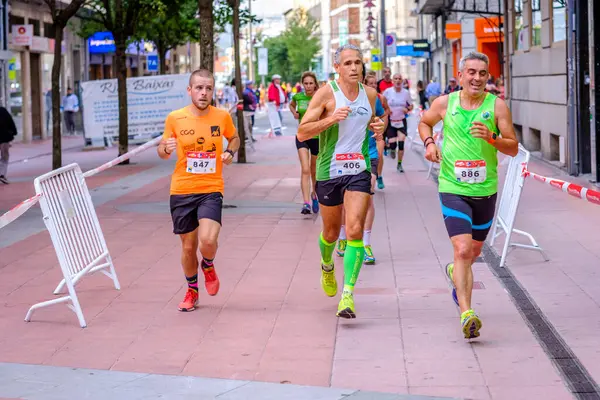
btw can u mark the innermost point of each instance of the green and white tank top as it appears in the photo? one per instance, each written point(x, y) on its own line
point(344, 147)
point(469, 165)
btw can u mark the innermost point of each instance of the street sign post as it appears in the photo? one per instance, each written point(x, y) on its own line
point(152, 63)
point(390, 43)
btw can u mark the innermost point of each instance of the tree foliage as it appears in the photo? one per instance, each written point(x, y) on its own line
point(291, 53)
point(123, 18)
point(60, 17)
point(173, 25)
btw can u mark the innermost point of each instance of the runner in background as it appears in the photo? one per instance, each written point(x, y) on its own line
point(309, 149)
point(400, 103)
point(196, 134)
point(376, 156)
point(382, 85)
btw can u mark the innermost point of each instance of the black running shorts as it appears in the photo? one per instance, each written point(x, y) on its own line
point(374, 165)
point(468, 215)
point(188, 209)
point(311, 144)
point(392, 132)
point(331, 192)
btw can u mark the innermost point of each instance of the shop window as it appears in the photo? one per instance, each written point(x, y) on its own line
point(518, 25)
point(534, 140)
point(554, 147)
point(536, 23)
point(559, 20)
point(14, 20)
point(36, 26)
point(48, 30)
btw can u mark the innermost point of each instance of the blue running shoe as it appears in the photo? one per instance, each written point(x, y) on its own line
point(315, 205)
point(449, 271)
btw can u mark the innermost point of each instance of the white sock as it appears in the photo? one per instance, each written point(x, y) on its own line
point(367, 238)
point(343, 233)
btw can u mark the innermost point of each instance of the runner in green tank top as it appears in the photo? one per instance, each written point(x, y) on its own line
point(341, 113)
point(309, 149)
point(476, 126)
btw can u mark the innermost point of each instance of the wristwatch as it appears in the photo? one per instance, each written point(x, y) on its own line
point(493, 138)
point(230, 152)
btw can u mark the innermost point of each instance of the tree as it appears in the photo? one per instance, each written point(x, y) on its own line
point(123, 18)
point(174, 25)
point(278, 57)
point(213, 20)
point(235, 5)
point(291, 53)
point(60, 17)
point(207, 34)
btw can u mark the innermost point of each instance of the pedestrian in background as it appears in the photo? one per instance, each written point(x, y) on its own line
point(70, 106)
point(8, 131)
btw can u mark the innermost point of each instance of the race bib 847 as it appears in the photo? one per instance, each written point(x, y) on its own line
point(201, 163)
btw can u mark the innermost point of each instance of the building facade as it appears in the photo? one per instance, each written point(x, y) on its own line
point(537, 53)
point(30, 66)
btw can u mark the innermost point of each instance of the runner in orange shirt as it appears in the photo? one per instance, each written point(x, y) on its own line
point(196, 134)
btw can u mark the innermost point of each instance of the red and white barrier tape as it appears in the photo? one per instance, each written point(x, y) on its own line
point(589, 195)
point(23, 206)
point(18, 210)
point(122, 158)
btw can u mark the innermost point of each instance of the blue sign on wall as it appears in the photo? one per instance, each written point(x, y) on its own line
point(101, 42)
point(407, 50)
point(152, 62)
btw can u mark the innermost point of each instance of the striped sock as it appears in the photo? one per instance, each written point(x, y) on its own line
point(207, 264)
point(192, 282)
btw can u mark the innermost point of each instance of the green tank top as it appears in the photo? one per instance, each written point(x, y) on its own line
point(469, 165)
point(301, 100)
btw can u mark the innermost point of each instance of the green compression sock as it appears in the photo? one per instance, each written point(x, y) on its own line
point(326, 249)
point(353, 260)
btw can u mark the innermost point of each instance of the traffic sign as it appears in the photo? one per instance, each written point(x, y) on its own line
point(390, 43)
point(152, 63)
point(375, 60)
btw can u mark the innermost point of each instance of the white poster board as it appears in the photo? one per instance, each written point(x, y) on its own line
point(149, 99)
point(263, 61)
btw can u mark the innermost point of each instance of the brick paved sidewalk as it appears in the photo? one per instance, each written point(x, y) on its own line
point(271, 322)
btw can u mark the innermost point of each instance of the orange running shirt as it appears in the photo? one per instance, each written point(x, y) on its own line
point(199, 168)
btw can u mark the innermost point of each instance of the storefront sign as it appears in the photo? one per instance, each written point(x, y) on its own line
point(101, 42)
point(488, 28)
point(22, 35)
point(149, 101)
point(453, 30)
point(376, 60)
point(421, 45)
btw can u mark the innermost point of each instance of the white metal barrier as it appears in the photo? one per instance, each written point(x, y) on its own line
point(75, 231)
point(509, 204)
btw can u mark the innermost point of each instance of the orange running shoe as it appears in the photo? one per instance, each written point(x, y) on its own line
point(189, 301)
point(211, 280)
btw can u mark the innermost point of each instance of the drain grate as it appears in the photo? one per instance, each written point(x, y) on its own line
point(229, 206)
point(578, 379)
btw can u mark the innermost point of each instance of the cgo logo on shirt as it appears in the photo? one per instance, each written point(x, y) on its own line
point(486, 115)
point(215, 131)
point(185, 132)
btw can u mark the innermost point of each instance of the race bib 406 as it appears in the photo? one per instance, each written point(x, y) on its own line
point(350, 163)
